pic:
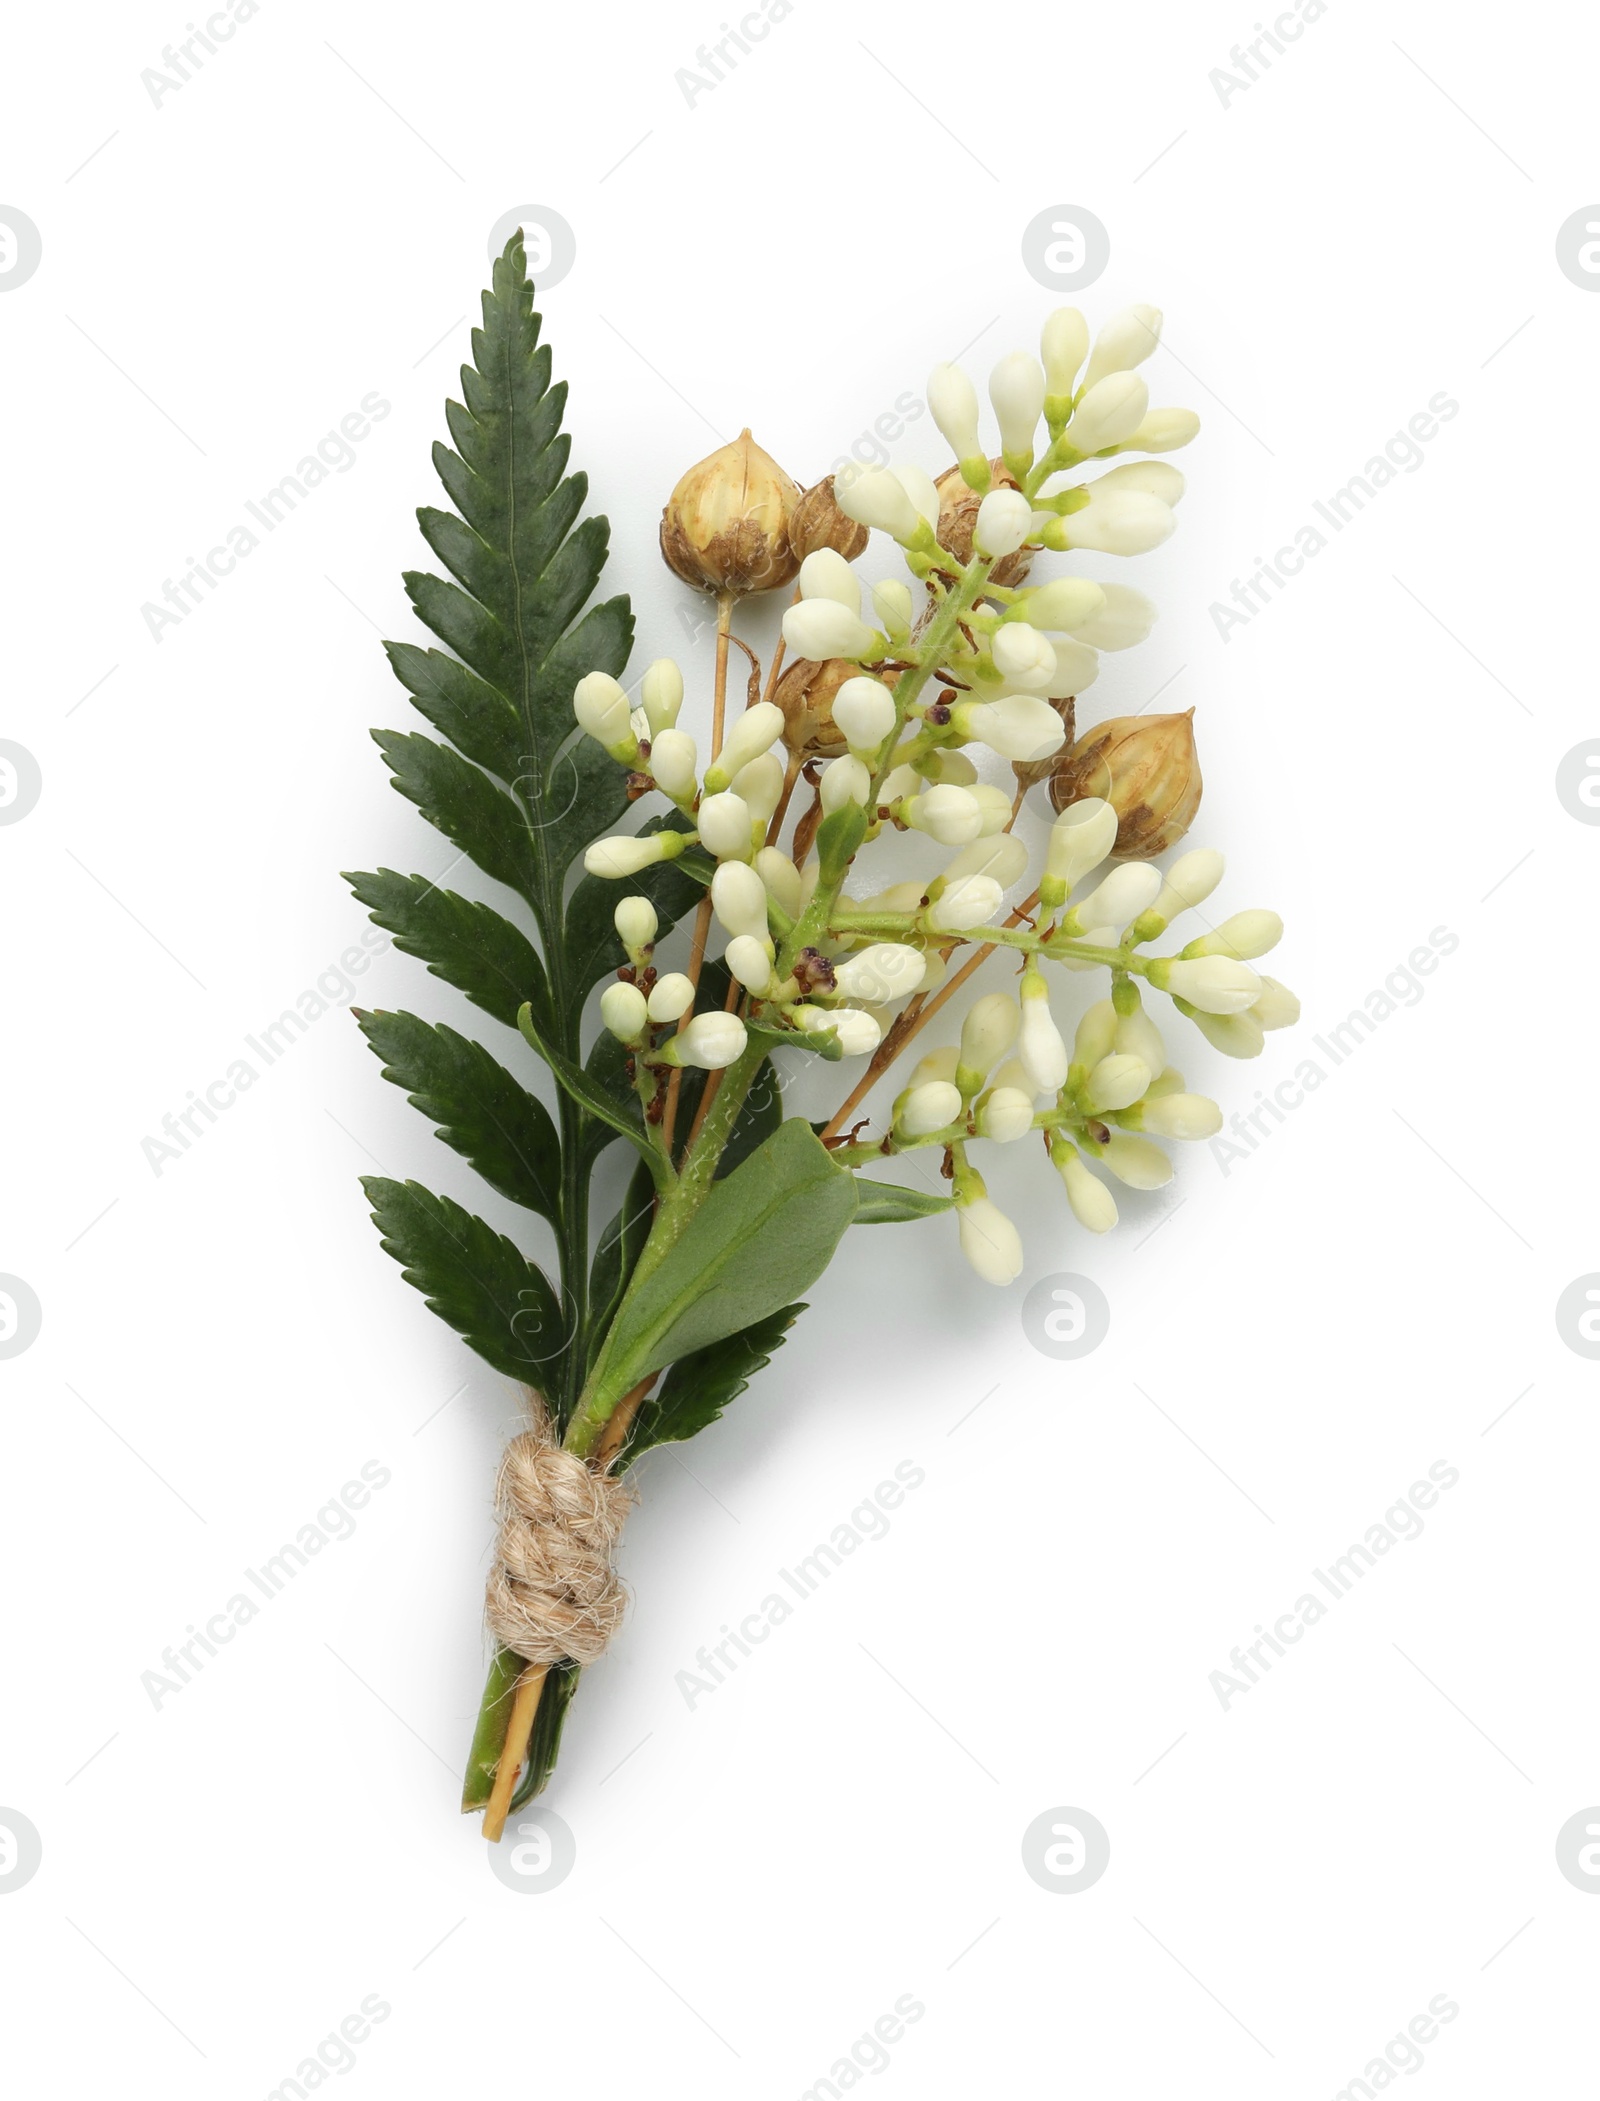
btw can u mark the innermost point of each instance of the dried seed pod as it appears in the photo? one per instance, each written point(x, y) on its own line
point(1147, 768)
point(958, 514)
point(1030, 772)
point(726, 524)
point(805, 694)
point(819, 522)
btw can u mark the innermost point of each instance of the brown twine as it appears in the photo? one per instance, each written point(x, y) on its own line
point(552, 1591)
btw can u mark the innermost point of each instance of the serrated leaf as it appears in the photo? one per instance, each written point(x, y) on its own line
point(463, 803)
point(461, 706)
point(475, 1279)
point(482, 1112)
point(699, 1386)
point(468, 945)
point(890, 1203)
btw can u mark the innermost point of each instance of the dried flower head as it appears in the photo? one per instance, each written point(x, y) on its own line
point(1146, 767)
point(726, 524)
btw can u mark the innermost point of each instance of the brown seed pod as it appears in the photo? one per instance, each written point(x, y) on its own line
point(1147, 768)
point(805, 694)
point(958, 514)
point(819, 522)
point(726, 524)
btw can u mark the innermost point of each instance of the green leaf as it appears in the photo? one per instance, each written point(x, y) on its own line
point(468, 945)
point(475, 717)
point(466, 806)
point(482, 1112)
point(760, 1238)
point(616, 1254)
point(588, 1092)
point(474, 1278)
point(699, 1386)
point(889, 1203)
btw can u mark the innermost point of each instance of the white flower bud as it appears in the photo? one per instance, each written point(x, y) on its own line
point(1017, 727)
point(671, 997)
point(622, 1009)
point(1148, 477)
point(988, 1031)
point(1077, 668)
point(938, 1064)
point(1039, 1041)
point(949, 814)
point(858, 1032)
point(673, 763)
point(779, 875)
point(872, 496)
point(1005, 519)
point(724, 825)
point(1123, 522)
point(1138, 1035)
point(661, 694)
point(1246, 935)
point(921, 487)
point(759, 785)
point(1001, 856)
point(1092, 1203)
point(953, 404)
point(1164, 430)
point(601, 707)
point(1005, 1115)
point(891, 601)
point(843, 781)
point(1135, 1161)
point(1125, 618)
point(1065, 604)
point(1080, 839)
point(884, 971)
point(820, 628)
point(739, 899)
point(1096, 1034)
point(1023, 657)
point(826, 574)
point(753, 732)
point(970, 903)
point(1214, 984)
point(863, 708)
point(711, 1041)
point(1117, 1082)
point(636, 923)
point(628, 854)
point(1126, 340)
point(1278, 1007)
point(1062, 344)
point(1118, 901)
point(1179, 1116)
point(1109, 413)
point(990, 1242)
point(1235, 1035)
point(994, 808)
point(748, 961)
point(949, 768)
point(1016, 390)
point(1188, 882)
point(928, 1108)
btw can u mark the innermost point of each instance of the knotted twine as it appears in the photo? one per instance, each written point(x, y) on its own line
point(552, 1591)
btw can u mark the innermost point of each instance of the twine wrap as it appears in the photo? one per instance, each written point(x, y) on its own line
point(552, 1591)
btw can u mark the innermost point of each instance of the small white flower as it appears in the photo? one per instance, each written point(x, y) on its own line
point(863, 708)
point(1188, 882)
point(1125, 618)
point(1080, 839)
point(1138, 1035)
point(988, 1030)
point(671, 997)
point(1005, 519)
point(843, 781)
point(891, 601)
point(938, 1064)
point(661, 694)
point(723, 822)
point(1123, 522)
point(950, 768)
point(1278, 1007)
point(1023, 657)
point(1235, 1035)
point(1164, 430)
point(1109, 413)
point(739, 899)
point(628, 853)
point(1096, 1035)
point(1126, 340)
point(748, 961)
point(1039, 1041)
point(1117, 1082)
point(990, 1242)
point(1063, 342)
point(753, 732)
point(820, 628)
point(780, 877)
point(1001, 856)
point(872, 496)
point(972, 902)
point(1077, 668)
point(1005, 1114)
point(884, 971)
point(953, 404)
point(826, 574)
point(1135, 1161)
point(1016, 391)
point(711, 1041)
point(1119, 900)
point(1214, 984)
point(622, 1009)
point(920, 486)
point(858, 1032)
point(673, 764)
point(928, 1108)
point(949, 814)
point(1092, 1203)
point(601, 707)
point(1017, 727)
point(1246, 935)
point(1065, 604)
point(1179, 1116)
point(636, 924)
point(1148, 477)
point(759, 785)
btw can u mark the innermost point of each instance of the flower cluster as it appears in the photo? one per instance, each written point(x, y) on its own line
point(895, 691)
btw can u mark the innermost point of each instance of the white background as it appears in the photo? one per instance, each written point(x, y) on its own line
point(1369, 1292)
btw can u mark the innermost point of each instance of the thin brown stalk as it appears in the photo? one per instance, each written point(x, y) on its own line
point(524, 1706)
